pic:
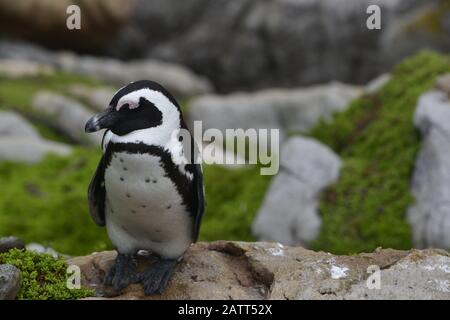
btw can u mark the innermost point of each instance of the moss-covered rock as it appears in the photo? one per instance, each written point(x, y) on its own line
point(42, 276)
point(376, 138)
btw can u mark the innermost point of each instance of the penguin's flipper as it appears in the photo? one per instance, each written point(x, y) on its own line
point(200, 198)
point(96, 194)
point(156, 277)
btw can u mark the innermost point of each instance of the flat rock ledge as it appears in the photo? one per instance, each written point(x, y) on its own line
point(262, 270)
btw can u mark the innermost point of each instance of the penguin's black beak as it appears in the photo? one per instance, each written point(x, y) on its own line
point(103, 120)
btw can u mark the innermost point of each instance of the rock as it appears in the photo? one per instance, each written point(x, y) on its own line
point(39, 248)
point(20, 68)
point(30, 150)
point(284, 109)
point(251, 44)
point(12, 124)
point(376, 84)
point(178, 80)
point(98, 98)
point(69, 115)
point(289, 211)
point(19, 141)
point(9, 282)
point(240, 270)
point(422, 25)
point(430, 215)
point(24, 51)
point(8, 243)
point(46, 21)
point(443, 83)
point(421, 276)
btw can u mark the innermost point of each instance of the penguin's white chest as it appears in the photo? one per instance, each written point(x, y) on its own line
point(144, 210)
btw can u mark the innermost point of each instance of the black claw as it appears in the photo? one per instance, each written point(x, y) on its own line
point(157, 276)
point(122, 273)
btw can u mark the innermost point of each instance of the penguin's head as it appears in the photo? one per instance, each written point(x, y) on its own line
point(138, 105)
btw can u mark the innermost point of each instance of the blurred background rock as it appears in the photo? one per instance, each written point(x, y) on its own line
point(234, 43)
point(354, 172)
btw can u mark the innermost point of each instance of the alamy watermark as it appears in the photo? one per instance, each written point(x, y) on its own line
point(73, 277)
point(233, 146)
point(373, 22)
point(73, 21)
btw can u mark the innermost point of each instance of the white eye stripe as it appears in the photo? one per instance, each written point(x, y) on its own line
point(156, 97)
point(131, 104)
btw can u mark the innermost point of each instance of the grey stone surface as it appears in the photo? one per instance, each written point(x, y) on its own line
point(39, 248)
point(21, 50)
point(21, 68)
point(177, 79)
point(97, 98)
point(285, 109)
point(19, 141)
point(416, 277)
point(8, 243)
point(69, 115)
point(430, 215)
point(252, 44)
point(289, 211)
point(261, 270)
point(30, 150)
point(443, 83)
point(13, 124)
point(376, 84)
point(9, 282)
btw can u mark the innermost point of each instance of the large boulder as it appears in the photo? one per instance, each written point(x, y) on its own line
point(246, 44)
point(31, 151)
point(430, 215)
point(240, 270)
point(14, 69)
point(69, 115)
point(252, 44)
point(290, 110)
point(97, 98)
point(289, 211)
point(178, 79)
point(12, 124)
point(19, 141)
point(45, 21)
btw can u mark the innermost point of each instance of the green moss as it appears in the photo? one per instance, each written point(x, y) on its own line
point(17, 94)
point(376, 138)
point(47, 203)
point(233, 197)
point(42, 276)
point(431, 20)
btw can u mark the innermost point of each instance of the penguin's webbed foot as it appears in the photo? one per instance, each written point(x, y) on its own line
point(156, 277)
point(122, 273)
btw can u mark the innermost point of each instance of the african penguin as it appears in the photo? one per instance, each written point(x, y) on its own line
point(146, 190)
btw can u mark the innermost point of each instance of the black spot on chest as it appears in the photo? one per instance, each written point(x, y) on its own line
point(184, 186)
